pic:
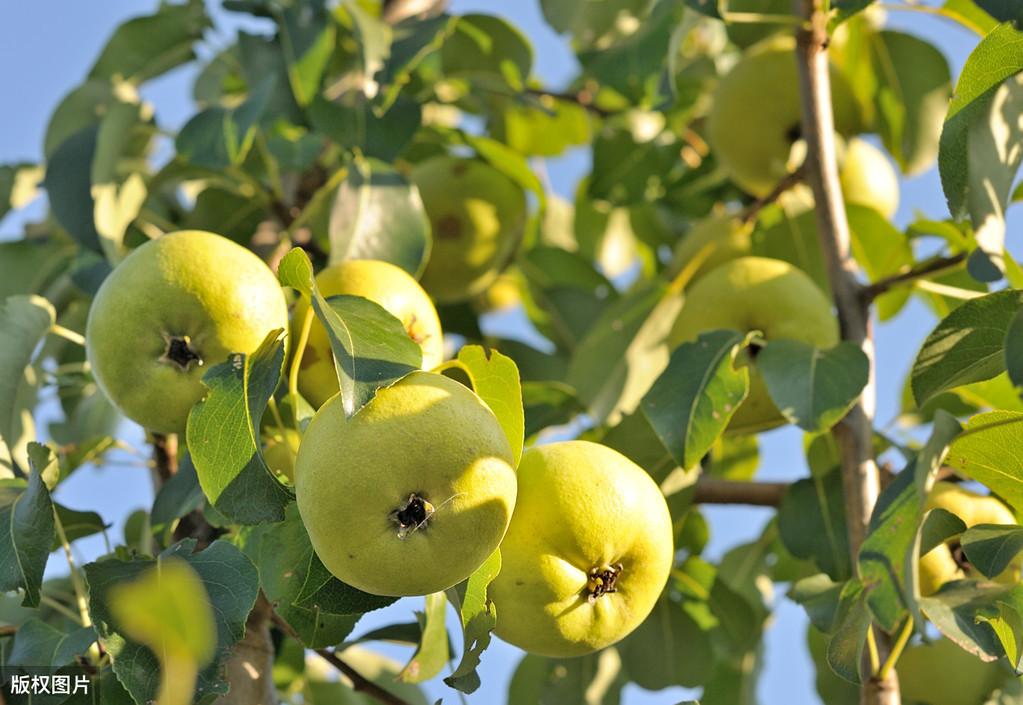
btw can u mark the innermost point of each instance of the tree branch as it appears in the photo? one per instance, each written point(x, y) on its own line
point(921, 270)
point(359, 682)
point(165, 455)
point(854, 433)
point(583, 98)
point(786, 183)
point(710, 490)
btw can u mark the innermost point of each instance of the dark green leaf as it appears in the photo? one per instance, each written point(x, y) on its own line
point(219, 137)
point(230, 581)
point(693, 400)
point(145, 47)
point(943, 431)
point(595, 679)
point(223, 439)
point(819, 596)
point(1003, 10)
point(667, 649)
point(487, 48)
point(378, 214)
point(478, 618)
point(967, 346)
point(354, 122)
point(990, 548)
point(307, 38)
point(26, 529)
point(176, 497)
point(1014, 348)
point(41, 645)
point(371, 348)
point(852, 620)
point(77, 524)
point(321, 609)
point(812, 523)
point(954, 610)
point(69, 186)
point(914, 86)
point(990, 451)
point(813, 388)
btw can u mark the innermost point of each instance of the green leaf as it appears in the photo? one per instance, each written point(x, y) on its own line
point(82, 107)
point(596, 678)
point(373, 39)
point(220, 137)
point(18, 186)
point(354, 122)
point(320, 608)
point(669, 648)
point(145, 47)
point(1014, 349)
point(590, 20)
point(967, 346)
point(231, 584)
point(223, 436)
point(495, 379)
point(414, 40)
point(77, 524)
point(819, 596)
point(990, 548)
point(845, 648)
point(377, 214)
point(914, 85)
point(545, 129)
point(28, 266)
point(432, 652)
point(307, 37)
point(69, 186)
point(812, 523)
point(25, 320)
point(371, 347)
point(693, 400)
point(624, 351)
point(998, 57)
point(990, 451)
point(954, 610)
point(26, 529)
point(178, 496)
point(969, 15)
point(813, 388)
point(41, 645)
point(487, 48)
point(943, 431)
point(1003, 10)
point(478, 618)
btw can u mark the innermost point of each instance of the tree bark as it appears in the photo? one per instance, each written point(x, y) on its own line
point(854, 434)
point(250, 668)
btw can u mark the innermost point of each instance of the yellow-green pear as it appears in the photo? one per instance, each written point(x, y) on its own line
point(941, 673)
point(412, 493)
point(754, 119)
point(477, 215)
point(587, 554)
point(757, 293)
point(711, 242)
point(383, 283)
point(946, 562)
point(171, 310)
point(868, 179)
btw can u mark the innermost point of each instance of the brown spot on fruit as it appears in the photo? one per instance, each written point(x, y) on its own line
point(448, 227)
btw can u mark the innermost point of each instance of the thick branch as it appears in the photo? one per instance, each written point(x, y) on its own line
point(711, 490)
point(250, 668)
point(359, 682)
point(165, 455)
point(923, 269)
point(854, 434)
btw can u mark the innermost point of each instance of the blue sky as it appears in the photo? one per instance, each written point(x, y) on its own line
point(46, 47)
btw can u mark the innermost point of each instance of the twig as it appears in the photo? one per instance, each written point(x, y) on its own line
point(8, 630)
point(359, 682)
point(854, 433)
point(583, 98)
point(921, 270)
point(786, 183)
point(165, 455)
point(710, 490)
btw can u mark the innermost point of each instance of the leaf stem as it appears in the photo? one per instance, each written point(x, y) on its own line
point(76, 578)
point(68, 334)
point(296, 362)
point(272, 405)
point(875, 659)
point(897, 649)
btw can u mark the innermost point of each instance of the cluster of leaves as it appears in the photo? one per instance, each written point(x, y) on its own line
point(304, 135)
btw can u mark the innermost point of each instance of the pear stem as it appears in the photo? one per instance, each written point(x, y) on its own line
point(854, 434)
point(296, 363)
point(897, 649)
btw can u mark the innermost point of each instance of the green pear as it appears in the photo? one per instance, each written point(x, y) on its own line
point(754, 120)
point(941, 673)
point(868, 179)
point(477, 215)
point(767, 295)
point(710, 243)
